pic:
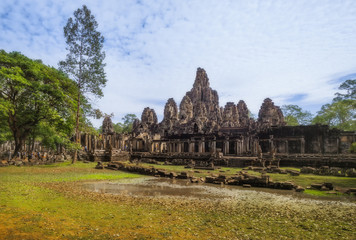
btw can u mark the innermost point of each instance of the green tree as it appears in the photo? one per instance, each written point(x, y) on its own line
point(349, 88)
point(128, 121)
point(32, 93)
point(84, 62)
point(294, 115)
point(5, 133)
point(126, 126)
point(341, 113)
point(51, 137)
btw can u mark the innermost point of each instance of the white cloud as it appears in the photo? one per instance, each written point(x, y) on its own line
point(250, 49)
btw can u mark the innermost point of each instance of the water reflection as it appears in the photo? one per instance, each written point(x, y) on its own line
point(156, 187)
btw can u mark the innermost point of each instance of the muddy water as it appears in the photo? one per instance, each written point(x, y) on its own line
point(148, 187)
point(161, 187)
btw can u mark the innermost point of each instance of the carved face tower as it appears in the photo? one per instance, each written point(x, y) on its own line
point(230, 115)
point(185, 110)
point(202, 95)
point(148, 117)
point(270, 115)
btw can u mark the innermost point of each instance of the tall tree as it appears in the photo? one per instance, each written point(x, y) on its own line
point(349, 88)
point(32, 93)
point(341, 113)
point(294, 115)
point(84, 62)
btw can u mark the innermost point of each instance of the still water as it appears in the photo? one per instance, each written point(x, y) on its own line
point(162, 187)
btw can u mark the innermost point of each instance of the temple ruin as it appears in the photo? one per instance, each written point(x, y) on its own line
point(203, 132)
point(201, 129)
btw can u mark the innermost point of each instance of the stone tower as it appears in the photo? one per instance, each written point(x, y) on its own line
point(107, 127)
point(270, 115)
point(205, 100)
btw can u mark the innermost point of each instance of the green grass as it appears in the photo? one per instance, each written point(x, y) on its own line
point(318, 193)
point(61, 172)
point(45, 202)
point(306, 180)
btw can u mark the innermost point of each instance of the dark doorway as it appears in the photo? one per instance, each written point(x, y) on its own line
point(207, 147)
point(219, 146)
point(196, 147)
point(232, 147)
point(186, 147)
point(196, 129)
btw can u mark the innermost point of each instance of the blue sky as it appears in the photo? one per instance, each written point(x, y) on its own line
point(295, 52)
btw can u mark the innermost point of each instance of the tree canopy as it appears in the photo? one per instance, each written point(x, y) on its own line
point(31, 94)
point(294, 115)
point(341, 113)
point(126, 125)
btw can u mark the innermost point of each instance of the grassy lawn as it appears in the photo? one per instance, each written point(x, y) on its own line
point(46, 202)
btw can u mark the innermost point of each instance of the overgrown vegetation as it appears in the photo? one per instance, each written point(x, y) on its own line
point(47, 202)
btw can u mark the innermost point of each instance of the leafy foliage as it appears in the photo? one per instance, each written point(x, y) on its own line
point(126, 126)
point(341, 113)
point(84, 62)
point(31, 94)
point(353, 147)
point(349, 86)
point(294, 115)
point(338, 114)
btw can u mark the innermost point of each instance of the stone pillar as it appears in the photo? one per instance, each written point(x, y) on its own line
point(271, 145)
point(203, 145)
point(213, 146)
point(191, 146)
point(113, 142)
point(180, 147)
point(85, 139)
point(286, 147)
point(200, 148)
point(302, 146)
point(338, 145)
point(238, 149)
point(226, 147)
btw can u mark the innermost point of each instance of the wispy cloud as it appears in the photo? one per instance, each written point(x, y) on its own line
point(290, 51)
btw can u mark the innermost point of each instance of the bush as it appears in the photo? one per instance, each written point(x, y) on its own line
point(353, 147)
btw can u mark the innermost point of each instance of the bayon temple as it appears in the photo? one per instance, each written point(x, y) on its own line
point(203, 132)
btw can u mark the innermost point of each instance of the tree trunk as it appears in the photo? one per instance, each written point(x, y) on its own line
point(18, 145)
point(77, 138)
point(33, 144)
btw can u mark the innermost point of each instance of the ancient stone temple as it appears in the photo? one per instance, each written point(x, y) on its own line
point(201, 129)
point(107, 125)
point(270, 115)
